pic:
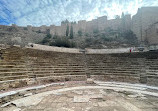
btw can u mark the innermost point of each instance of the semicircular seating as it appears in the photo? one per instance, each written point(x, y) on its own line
point(25, 66)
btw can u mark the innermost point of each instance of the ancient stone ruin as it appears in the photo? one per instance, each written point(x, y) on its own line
point(51, 79)
point(37, 77)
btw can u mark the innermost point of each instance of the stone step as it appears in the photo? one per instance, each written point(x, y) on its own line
point(14, 73)
point(153, 77)
point(119, 69)
point(91, 67)
point(69, 65)
point(11, 63)
point(44, 72)
point(12, 69)
point(13, 77)
point(152, 71)
point(8, 59)
point(12, 66)
point(56, 70)
point(63, 76)
point(113, 74)
point(54, 74)
point(64, 71)
point(110, 71)
point(35, 67)
point(13, 54)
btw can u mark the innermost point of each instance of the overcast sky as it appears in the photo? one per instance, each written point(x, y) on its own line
point(48, 12)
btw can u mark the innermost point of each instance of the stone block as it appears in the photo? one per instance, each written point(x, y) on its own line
point(90, 81)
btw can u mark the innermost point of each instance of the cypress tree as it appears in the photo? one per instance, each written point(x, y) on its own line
point(67, 30)
point(71, 32)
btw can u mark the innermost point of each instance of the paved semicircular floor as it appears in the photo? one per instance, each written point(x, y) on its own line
point(101, 97)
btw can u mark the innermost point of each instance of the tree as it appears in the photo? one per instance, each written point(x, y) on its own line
point(67, 30)
point(65, 22)
point(129, 36)
point(46, 39)
point(117, 16)
point(71, 32)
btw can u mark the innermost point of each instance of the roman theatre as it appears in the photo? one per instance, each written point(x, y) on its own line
point(45, 78)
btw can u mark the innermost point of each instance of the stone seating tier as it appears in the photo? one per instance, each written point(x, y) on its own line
point(29, 66)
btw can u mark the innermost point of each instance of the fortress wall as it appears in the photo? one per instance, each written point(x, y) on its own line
point(128, 22)
point(102, 22)
point(82, 25)
point(89, 27)
point(136, 25)
point(149, 16)
point(143, 19)
point(75, 28)
point(140, 22)
point(114, 23)
point(152, 34)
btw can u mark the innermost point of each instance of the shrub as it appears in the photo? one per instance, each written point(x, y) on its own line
point(48, 36)
point(86, 34)
point(46, 39)
point(62, 42)
point(129, 36)
point(25, 28)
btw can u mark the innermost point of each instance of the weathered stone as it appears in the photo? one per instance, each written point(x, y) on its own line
point(28, 94)
point(81, 99)
point(90, 81)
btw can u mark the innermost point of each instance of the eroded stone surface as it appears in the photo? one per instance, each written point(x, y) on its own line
point(87, 98)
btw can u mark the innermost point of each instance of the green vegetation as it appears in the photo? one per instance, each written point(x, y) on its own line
point(67, 30)
point(86, 34)
point(65, 22)
point(73, 22)
point(25, 28)
point(129, 36)
point(62, 42)
point(71, 33)
point(117, 16)
point(57, 41)
point(46, 39)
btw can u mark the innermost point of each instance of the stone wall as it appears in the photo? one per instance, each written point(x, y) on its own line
point(101, 23)
point(152, 34)
point(139, 23)
point(142, 20)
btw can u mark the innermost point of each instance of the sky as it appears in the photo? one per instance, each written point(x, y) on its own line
point(48, 12)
